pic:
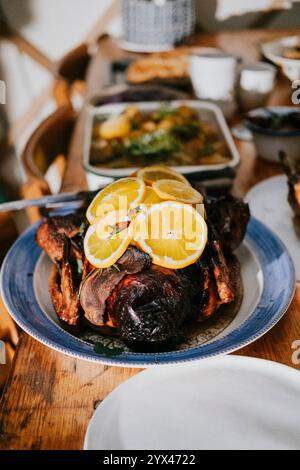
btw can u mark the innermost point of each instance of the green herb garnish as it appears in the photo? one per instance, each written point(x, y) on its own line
point(156, 143)
point(187, 131)
point(164, 111)
point(175, 341)
point(106, 350)
point(207, 151)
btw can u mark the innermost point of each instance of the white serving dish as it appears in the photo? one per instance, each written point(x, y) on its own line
point(274, 50)
point(267, 274)
point(207, 111)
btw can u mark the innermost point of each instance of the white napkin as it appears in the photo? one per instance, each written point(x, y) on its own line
point(228, 8)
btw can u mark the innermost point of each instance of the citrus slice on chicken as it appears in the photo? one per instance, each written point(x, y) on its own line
point(150, 174)
point(173, 234)
point(170, 190)
point(106, 241)
point(151, 197)
point(126, 193)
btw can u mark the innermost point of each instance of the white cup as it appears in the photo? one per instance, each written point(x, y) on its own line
point(256, 83)
point(214, 76)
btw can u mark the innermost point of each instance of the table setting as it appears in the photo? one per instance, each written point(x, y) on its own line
point(158, 297)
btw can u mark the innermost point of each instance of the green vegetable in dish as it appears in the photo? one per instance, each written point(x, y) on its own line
point(207, 151)
point(168, 134)
point(164, 111)
point(155, 143)
point(189, 130)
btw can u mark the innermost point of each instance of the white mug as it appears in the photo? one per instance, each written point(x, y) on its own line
point(256, 83)
point(214, 76)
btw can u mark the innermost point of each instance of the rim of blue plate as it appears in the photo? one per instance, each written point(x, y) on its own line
point(278, 290)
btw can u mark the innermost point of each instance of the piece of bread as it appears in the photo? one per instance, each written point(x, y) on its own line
point(164, 66)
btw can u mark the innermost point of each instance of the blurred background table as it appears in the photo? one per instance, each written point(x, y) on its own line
point(50, 398)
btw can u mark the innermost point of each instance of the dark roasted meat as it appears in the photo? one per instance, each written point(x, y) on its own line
point(208, 300)
point(98, 285)
point(150, 306)
point(64, 286)
point(60, 238)
point(134, 260)
point(229, 218)
point(52, 233)
point(221, 273)
point(293, 173)
point(55, 290)
point(292, 170)
point(141, 302)
point(217, 286)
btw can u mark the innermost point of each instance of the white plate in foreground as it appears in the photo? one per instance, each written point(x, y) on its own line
point(268, 202)
point(225, 403)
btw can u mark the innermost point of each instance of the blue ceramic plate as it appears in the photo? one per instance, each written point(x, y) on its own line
point(269, 283)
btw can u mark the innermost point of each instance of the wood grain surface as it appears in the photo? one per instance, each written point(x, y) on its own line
point(50, 397)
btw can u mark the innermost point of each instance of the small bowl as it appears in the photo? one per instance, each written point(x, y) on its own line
point(270, 142)
point(274, 51)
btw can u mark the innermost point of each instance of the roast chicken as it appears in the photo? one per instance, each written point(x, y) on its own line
point(292, 170)
point(134, 299)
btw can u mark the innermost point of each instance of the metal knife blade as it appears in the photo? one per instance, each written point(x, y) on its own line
point(47, 201)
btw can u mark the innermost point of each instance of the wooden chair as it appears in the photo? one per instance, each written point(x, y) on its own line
point(47, 146)
point(73, 66)
point(8, 330)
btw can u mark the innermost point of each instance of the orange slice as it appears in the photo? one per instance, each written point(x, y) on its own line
point(151, 197)
point(150, 174)
point(126, 193)
point(104, 244)
point(171, 190)
point(173, 234)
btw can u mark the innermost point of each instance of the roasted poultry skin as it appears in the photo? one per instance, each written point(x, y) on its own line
point(292, 170)
point(138, 301)
point(53, 232)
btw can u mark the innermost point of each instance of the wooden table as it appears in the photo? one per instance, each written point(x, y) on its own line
point(50, 398)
